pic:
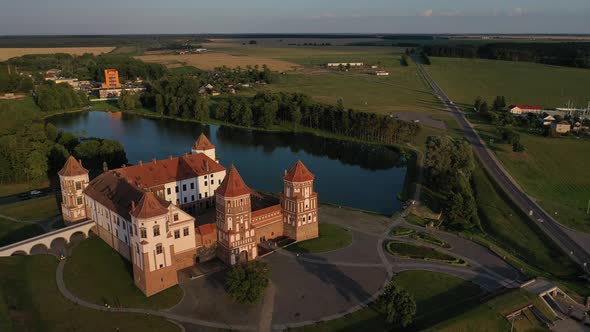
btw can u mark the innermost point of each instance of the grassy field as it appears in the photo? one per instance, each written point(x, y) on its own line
point(332, 237)
point(520, 82)
point(32, 210)
point(418, 252)
point(11, 232)
point(7, 53)
point(30, 301)
point(18, 188)
point(514, 232)
point(94, 263)
point(438, 296)
point(553, 171)
point(490, 316)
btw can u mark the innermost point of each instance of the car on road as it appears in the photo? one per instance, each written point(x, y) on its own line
point(35, 193)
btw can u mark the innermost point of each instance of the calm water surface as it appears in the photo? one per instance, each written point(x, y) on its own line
point(349, 174)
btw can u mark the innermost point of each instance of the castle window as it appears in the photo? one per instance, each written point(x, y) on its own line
point(211, 181)
point(176, 217)
point(124, 226)
point(185, 199)
point(212, 175)
point(136, 248)
point(159, 248)
point(184, 187)
point(156, 230)
point(192, 185)
point(192, 197)
point(219, 181)
point(200, 196)
point(168, 191)
point(79, 200)
point(205, 177)
point(176, 234)
point(176, 188)
point(205, 182)
point(309, 217)
point(185, 231)
point(78, 185)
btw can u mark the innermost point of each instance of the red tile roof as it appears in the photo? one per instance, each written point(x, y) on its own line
point(299, 173)
point(206, 229)
point(150, 206)
point(233, 185)
point(159, 172)
point(203, 143)
point(114, 192)
point(72, 167)
point(526, 107)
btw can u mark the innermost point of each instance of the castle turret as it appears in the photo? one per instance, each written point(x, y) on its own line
point(203, 145)
point(235, 236)
point(73, 178)
point(299, 202)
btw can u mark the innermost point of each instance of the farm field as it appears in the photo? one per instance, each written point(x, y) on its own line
point(551, 170)
point(31, 301)
point(520, 82)
point(7, 53)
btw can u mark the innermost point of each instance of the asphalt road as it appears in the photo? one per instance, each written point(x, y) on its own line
point(578, 251)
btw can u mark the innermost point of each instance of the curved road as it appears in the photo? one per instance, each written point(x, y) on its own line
point(578, 251)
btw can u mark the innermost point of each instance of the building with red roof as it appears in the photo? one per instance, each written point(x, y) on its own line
point(523, 109)
point(146, 212)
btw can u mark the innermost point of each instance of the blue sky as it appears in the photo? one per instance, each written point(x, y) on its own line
point(284, 16)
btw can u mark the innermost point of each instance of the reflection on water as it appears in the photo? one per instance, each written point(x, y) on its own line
point(349, 174)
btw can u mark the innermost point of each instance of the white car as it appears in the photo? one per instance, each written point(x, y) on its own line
point(35, 193)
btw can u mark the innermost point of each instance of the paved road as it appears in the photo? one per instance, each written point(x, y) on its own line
point(570, 244)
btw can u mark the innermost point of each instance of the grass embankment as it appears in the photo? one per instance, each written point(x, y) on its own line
point(11, 232)
point(408, 250)
point(331, 237)
point(552, 170)
point(97, 273)
point(32, 210)
point(490, 316)
point(520, 82)
point(438, 296)
point(30, 301)
point(513, 235)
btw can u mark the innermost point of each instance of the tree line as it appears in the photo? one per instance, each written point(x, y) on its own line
point(13, 82)
point(448, 166)
point(52, 97)
point(559, 54)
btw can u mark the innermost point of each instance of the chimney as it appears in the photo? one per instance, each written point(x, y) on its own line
point(285, 172)
point(140, 163)
point(80, 161)
point(105, 167)
point(132, 205)
point(170, 157)
point(154, 160)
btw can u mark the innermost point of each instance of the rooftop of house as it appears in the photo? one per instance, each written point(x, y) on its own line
point(298, 173)
point(233, 185)
point(203, 143)
point(114, 193)
point(149, 206)
point(526, 107)
point(72, 167)
point(159, 172)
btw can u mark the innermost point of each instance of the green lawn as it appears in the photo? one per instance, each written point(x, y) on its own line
point(429, 238)
point(418, 252)
point(520, 82)
point(33, 209)
point(11, 232)
point(514, 232)
point(93, 267)
point(553, 171)
point(331, 237)
point(437, 296)
point(30, 301)
point(490, 316)
point(19, 188)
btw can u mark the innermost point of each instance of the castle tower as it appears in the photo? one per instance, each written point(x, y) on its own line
point(73, 178)
point(235, 236)
point(299, 202)
point(203, 145)
point(152, 250)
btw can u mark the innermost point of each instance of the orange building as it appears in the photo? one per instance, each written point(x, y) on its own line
point(111, 78)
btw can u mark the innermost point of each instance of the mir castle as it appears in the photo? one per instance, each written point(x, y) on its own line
point(146, 212)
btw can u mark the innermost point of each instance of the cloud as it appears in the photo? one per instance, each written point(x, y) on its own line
point(445, 13)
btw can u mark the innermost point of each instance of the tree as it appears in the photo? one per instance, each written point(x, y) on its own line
point(160, 108)
point(51, 132)
point(404, 60)
point(477, 104)
point(247, 282)
point(36, 166)
point(247, 118)
point(397, 304)
point(517, 146)
point(57, 157)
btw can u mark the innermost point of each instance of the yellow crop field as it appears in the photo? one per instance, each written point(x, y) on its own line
point(7, 53)
point(211, 60)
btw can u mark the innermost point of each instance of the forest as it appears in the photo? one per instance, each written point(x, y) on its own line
point(557, 54)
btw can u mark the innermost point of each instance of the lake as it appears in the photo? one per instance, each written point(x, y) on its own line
point(350, 174)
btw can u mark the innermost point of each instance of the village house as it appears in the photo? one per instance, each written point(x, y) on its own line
point(561, 127)
point(524, 109)
point(147, 212)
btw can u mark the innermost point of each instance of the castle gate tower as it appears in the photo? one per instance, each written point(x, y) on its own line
point(299, 202)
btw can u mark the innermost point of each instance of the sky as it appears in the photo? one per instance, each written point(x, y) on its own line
point(80, 17)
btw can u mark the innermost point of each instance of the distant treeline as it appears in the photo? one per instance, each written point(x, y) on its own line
point(91, 41)
point(88, 66)
point(558, 54)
